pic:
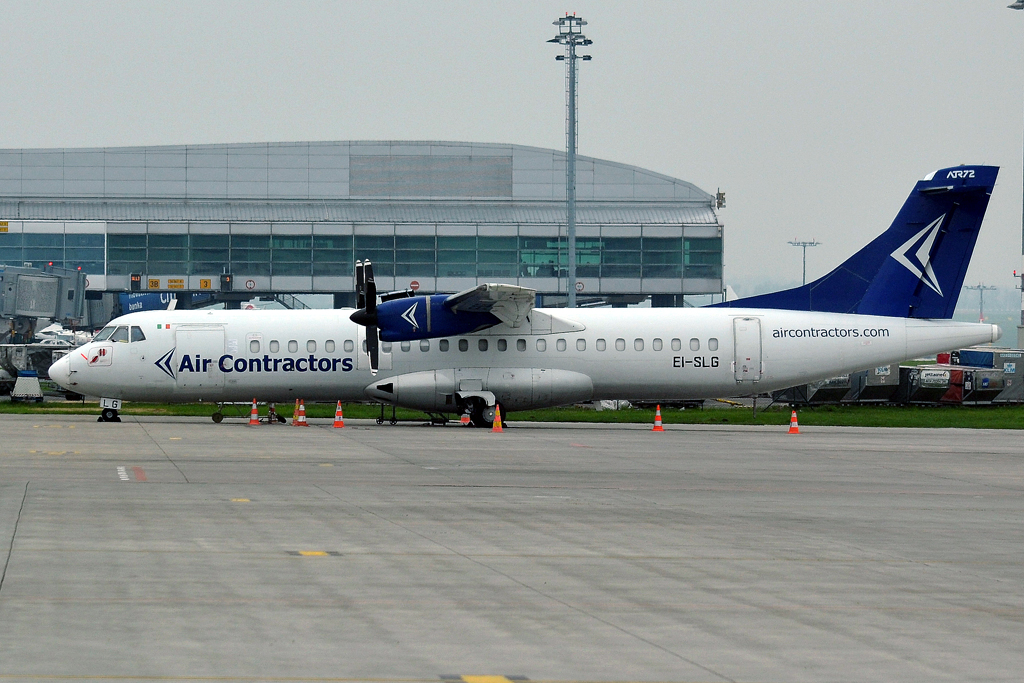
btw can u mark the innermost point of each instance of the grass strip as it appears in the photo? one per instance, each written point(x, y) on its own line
point(969, 417)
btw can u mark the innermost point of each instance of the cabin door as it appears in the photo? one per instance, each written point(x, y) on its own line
point(198, 357)
point(747, 349)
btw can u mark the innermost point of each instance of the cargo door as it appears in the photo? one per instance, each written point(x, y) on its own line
point(747, 349)
point(197, 359)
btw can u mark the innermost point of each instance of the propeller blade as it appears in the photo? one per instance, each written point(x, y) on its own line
point(398, 294)
point(371, 289)
point(373, 348)
point(360, 286)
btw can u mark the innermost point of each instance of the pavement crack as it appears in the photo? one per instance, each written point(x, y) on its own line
point(165, 454)
point(14, 534)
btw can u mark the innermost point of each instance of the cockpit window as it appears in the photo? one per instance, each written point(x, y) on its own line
point(104, 334)
point(120, 334)
point(137, 334)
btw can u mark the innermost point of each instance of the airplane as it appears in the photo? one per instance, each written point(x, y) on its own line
point(489, 346)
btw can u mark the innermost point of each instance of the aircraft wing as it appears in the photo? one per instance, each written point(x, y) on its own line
point(508, 303)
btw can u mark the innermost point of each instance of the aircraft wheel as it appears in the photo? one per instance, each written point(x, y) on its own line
point(393, 421)
point(282, 419)
point(217, 417)
point(482, 415)
point(380, 420)
point(109, 415)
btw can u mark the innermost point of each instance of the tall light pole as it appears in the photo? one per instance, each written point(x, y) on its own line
point(981, 289)
point(1019, 4)
point(570, 34)
point(812, 243)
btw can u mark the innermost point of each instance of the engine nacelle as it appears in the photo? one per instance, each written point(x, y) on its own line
point(426, 317)
point(441, 391)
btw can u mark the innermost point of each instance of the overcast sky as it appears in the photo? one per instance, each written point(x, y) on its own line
point(815, 117)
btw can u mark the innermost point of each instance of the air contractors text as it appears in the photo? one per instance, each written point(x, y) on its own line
point(228, 363)
point(832, 332)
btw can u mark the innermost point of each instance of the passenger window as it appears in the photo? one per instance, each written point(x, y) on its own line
point(329, 346)
point(463, 345)
point(560, 345)
point(601, 345)
point(676, 345)
point(638, 344)
point(406, 346)
point(482, 344)
point(502, 345)
point(620, 344)
point(424, 344)
point(120, 334)
point(443, 346)
point(311, 346)
point(542, 345)
point(656, 344)
point(712, 344)
point(581, 344)
point(275, 346)
point(695, 344)
point(104, 334)
point(137, 334)
point(385, 347)
point(348, 345)
point(520, 344)
point(254, 346)
point(293, 345)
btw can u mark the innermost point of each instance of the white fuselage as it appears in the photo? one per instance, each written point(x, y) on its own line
point(558, 356)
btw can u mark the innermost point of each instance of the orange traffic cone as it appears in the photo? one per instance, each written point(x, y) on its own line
point(295, 414)
point(464, 419)
point(339, 419)
point(496, 425)
point(657, 420)
point(302, 415)
point(254, 416)
point(794, 428)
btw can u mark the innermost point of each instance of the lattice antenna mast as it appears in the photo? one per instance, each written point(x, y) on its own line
point(570, 34)
point(797, 243)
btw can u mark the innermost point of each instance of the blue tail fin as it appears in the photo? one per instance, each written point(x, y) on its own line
point(916, 268)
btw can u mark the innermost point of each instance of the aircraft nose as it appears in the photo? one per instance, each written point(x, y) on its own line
point(60, 372)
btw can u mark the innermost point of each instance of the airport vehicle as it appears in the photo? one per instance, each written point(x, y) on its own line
point(471, 351)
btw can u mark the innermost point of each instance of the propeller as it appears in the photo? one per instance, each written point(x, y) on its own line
point(366, 295)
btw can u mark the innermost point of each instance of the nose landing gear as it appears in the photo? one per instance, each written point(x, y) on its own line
point(108, 415)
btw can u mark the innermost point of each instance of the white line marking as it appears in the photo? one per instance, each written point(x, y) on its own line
point(122, 473)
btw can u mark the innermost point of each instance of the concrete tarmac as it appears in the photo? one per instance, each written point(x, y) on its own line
point(177, 549)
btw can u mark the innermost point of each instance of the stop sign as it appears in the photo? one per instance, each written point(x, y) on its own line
point(414, 285)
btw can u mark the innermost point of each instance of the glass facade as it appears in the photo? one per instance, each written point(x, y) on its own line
point(446, 256)
point(83, 251)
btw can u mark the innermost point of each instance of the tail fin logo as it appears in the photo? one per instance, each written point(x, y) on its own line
point(919, 260)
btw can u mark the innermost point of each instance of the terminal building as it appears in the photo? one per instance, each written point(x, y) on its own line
point(292, 218)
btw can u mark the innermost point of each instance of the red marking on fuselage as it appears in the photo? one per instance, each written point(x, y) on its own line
point(139, 474)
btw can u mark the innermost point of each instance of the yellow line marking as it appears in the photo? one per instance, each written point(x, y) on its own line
point(175, 438)
point(485, 679)
point(326, 464)
point(240, 500)
point(313, 553)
